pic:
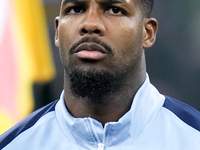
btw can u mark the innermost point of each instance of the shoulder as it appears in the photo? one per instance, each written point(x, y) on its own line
point(184, 112)
point(25, 124)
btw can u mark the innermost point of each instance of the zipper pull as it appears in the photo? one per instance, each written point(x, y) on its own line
point(100, 146)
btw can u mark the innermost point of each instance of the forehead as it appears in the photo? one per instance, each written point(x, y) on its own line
point(64, 2)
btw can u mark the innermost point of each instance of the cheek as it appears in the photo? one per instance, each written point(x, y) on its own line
point(67, 31)
point(127, 40)
point(65, 36)
point(64, 33)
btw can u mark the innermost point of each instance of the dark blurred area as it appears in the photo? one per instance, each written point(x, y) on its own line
point(173, 63)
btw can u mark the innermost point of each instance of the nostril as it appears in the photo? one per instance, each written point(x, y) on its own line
point(84, 31)
point(96, 31)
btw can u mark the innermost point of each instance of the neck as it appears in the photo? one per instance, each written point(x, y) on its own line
point(115, 104)
point(113, 108)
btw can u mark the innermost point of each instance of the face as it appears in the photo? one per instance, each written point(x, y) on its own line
point(103, 35)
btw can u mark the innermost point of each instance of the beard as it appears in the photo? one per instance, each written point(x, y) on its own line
point(96, 85)
point(92, 85)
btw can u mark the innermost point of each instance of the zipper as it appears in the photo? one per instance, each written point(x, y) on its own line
point(100, 144)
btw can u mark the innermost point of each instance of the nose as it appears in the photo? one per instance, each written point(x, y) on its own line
point(92, 24)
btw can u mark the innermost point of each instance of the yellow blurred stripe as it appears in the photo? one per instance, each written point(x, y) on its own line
point(6, 122)
point(31, 24)
point(35, 62)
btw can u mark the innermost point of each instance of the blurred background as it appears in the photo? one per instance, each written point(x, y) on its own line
point(31, 74)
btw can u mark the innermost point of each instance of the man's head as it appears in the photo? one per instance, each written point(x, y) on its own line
point(106, 39)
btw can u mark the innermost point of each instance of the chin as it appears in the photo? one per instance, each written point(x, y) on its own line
point(91, 84)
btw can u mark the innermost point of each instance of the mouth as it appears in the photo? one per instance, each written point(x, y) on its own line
point(90, 50)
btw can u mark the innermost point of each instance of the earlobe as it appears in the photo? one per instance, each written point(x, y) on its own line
point(56, 31)
point(150, 31)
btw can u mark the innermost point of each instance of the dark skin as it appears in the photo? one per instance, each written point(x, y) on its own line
point(121, 25)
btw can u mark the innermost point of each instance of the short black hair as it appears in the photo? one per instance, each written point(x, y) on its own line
point(147, 6)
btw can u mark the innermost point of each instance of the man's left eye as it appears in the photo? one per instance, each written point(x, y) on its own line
point(114, 10)
point(75, 10)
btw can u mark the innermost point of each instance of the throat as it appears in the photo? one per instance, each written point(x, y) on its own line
point(100, 94)
point(109, 111)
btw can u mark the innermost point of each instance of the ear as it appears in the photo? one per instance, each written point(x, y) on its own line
point(56, 38)
point(150, 31)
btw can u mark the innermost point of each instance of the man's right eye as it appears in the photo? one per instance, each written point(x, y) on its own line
point(75, 10)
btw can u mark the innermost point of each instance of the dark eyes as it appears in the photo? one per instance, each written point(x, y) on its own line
point(115, 10)
point(75, 10)
point(112, 10)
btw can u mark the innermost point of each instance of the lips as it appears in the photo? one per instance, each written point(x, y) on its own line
point(90, 50)
point(90, 47)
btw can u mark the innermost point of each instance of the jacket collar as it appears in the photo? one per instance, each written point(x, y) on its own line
point(88, 132)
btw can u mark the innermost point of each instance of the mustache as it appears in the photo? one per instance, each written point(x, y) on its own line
point(93, 40)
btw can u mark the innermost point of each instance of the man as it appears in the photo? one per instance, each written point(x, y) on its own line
point(108, 101)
